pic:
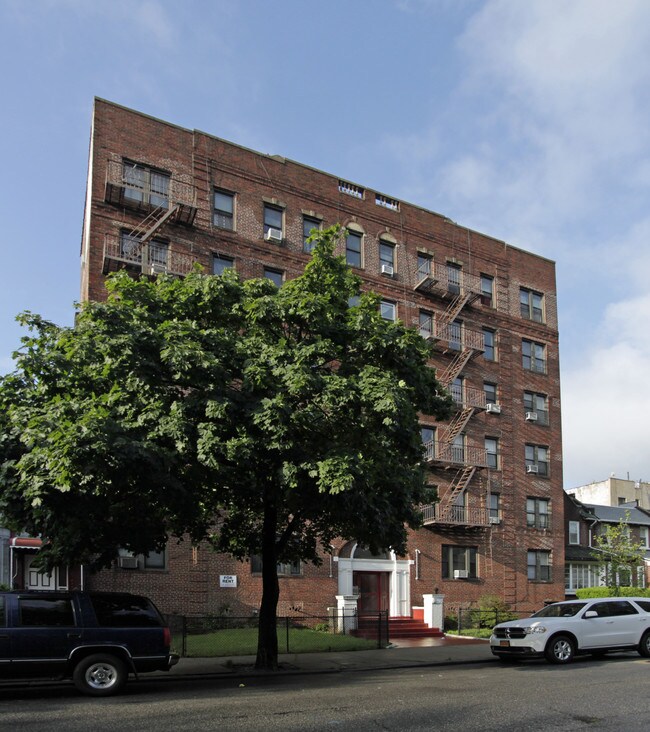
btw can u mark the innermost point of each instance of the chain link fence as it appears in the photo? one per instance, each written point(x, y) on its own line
point(226, 635)
point(466, 620)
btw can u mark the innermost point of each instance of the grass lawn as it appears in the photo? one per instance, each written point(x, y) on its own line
point(243, 642)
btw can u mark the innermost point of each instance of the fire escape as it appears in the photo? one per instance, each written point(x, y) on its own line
point(453, 337)
point(160, 199)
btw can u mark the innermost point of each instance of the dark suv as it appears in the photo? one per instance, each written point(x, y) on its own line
point(96, 639)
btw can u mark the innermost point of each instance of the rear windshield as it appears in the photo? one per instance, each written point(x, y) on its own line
point(566, 610)
point(125, 611)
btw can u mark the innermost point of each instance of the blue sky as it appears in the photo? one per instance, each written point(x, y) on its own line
point(524, 120)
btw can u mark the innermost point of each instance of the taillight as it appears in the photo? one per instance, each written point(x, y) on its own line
point(167, 637)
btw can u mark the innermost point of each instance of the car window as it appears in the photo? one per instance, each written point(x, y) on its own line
point(125, 611)
point(644, 605)
point(622, 607)
point(565, 610)
point(601, 609)
point(45, 612)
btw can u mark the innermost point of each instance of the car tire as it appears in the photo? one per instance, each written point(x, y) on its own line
point(100, 675)
point(560, 649)
point(644, 645)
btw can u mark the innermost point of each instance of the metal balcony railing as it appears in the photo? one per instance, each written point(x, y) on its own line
point(436, 278)
point(468, 396)
point(159, 258)
point(458, 337)
point(450, 454)
point(437, 513)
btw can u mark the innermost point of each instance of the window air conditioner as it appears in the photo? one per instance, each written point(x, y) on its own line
point(387, 269)
point(532, 469)
point(127, 562)
point(157, 268)
point(274, 235)
point(461, 574)
point(531, 416)
point(495, 520)
point(493, 409)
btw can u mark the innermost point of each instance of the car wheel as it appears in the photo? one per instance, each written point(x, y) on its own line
point(644, 645)
point(560, 649)
point(100, 675)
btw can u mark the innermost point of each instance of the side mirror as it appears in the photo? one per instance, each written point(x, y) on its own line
point(590, 614)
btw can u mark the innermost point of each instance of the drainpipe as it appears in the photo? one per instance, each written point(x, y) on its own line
point(417, 564)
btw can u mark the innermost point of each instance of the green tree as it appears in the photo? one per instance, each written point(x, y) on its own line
point(267, 421)
point(617, 552)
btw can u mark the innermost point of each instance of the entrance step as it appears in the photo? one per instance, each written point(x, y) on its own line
point(397, 628)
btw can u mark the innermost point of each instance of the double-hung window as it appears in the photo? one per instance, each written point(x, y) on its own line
point(223, 215)
point(531, 305)
point(537, 460)
point(490, 390)
point(459, 562)
point(492, 452)
point(221, 264)
point(425, 324)
point(428, 441)
point(308, 224)
point(353, 241)
point(489, 345)
point(454, 274)
point(574, 532)
point(144, 185)
point(388, 310)
point(536, 407)
point(285, 569)
point(539, 565)
point(275, 275)
point(487, 290)
point(386, 257)
point(533, 356)
point(538, 513)
point(494, 506)
point(425, 266)
point(273, 222)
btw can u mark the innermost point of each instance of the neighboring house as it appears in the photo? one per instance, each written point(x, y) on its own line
point(583, 522)
point(161, 198)
point(614, 491)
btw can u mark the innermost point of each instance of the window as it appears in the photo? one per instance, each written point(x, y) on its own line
point(459, 562)
point(124, 611)
point(131, 251)
point(155, 560)
point(574, 532)
point(273, 216)
point(537, 460)
point(533, 356)
point(388, 310)
point(490, 390)
point(46, 612)
point(224, 210)
point(487, 290)
point(531, 305)
point(308, 224)
point(539, 565)
point(538, 513)
point(458, 449)
point(494, 507)
point(386, 257)
point(354, 301)
point(644, 536)
point(426, 324)
point(457, 389)
point(492, 452)
point(582, 574)
point(275, 275)
point(221, 264)
point(353, 248)
point(536, 407)
point(424, 266)
point(454, 272)
point(285, 569)
point(456, 335)
point(429, 441)
point(489, 345)
point(143, 185)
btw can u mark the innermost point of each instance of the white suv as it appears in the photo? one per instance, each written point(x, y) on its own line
point(565, 629)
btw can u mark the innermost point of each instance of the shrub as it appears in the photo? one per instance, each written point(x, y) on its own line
point(588, 593)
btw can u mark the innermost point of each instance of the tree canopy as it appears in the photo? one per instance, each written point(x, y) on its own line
point(619, 554)
point(266, 420)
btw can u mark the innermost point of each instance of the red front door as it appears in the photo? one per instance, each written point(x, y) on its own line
point(373, 591)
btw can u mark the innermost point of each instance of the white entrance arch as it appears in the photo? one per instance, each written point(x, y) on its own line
point(398, 571)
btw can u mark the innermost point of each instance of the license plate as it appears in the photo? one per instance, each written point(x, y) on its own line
point(504, 644)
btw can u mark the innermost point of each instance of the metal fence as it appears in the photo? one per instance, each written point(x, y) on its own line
point(466, 619)
point(226, 635)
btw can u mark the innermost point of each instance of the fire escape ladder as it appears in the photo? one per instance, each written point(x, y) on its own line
point(456, 487)
point(455, 306)
point(456, 366)
point(457, 424)
point(152, 223)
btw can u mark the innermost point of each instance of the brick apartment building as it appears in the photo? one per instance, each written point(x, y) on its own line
point(160, 198)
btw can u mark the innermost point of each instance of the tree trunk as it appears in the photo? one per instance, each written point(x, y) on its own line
point(267, 639)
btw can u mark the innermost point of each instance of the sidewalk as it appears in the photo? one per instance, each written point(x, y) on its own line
point(404, 654)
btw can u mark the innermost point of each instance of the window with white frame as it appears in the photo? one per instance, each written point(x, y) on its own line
point(536, 407)
point(386, 257)
point(533, 356)
point(531, 304)
point(644, 536)
point(574, 532)
point(537, 461)
point(459, 562)
point(582, 574)
point(223, 215)
point(388, 310)
point(539, 565)
point(144, 185)
point(538, 513)
point(492, 452)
